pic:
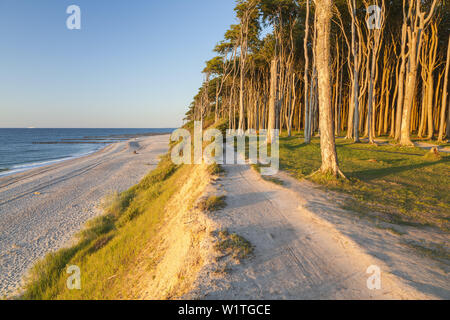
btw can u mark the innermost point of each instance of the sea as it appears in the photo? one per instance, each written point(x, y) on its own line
point(24, 149)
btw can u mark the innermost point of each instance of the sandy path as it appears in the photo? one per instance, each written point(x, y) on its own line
point(300, 254)
point(68, 195)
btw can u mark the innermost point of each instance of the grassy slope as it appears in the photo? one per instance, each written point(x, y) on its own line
point(109, 247)
point(401, 183)
point(107, 250)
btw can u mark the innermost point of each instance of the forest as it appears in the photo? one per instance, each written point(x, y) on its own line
point(358, 69)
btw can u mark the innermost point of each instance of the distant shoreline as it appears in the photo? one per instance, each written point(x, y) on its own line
point(94, 140)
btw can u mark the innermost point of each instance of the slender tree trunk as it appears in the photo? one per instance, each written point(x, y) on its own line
point(355, 95)
point(401, 86)
point(419, 20)
point(327, 140)
point(444, 99)
point(241, 101)
point(370, 103)
point(272, 101)
point(307, 125)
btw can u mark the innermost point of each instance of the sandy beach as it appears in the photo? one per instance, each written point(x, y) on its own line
point(42, 209)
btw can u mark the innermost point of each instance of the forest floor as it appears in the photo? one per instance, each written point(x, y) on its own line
point(306, 246)
point(389, 183)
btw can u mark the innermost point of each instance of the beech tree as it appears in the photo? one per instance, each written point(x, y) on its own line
point(376, 83)
point(322, 53)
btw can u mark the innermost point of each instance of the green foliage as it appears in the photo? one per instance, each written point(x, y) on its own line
point(215, 169)
point(234, 245)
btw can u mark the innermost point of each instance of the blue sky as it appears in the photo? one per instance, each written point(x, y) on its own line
point(134, 63)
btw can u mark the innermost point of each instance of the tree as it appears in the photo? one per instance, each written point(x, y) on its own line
point(256, 83)
point(272, 100)
point(416, 20)
point(375, 38)
point(307, 120)
point(330, 164)
point(246, 13)
point(354, 112)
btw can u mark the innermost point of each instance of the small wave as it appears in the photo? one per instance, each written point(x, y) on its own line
point(29, 166)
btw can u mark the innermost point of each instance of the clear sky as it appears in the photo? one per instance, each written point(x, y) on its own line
point(134, 63)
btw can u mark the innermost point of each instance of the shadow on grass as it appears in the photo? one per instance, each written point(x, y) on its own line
point(386, 151)
point(367, 175)
point(295, 147)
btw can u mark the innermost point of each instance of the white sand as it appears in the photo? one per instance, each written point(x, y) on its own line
point(42, 209)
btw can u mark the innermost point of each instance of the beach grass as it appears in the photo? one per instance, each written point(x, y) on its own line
point(107, 249)
point(212, 203)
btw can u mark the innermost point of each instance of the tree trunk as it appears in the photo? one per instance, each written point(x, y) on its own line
point(401, 86)
point(272, 101)
point(354, 114)
point(419, 21)
point(444, 99)
point(307, 125)
point(327, 140)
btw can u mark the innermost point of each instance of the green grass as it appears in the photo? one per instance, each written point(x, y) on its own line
point(212, 203)
point(435, 142)
point(108, 248)
point(275, 180)
point(215, 169)
point(405, 185)
point(234, 245)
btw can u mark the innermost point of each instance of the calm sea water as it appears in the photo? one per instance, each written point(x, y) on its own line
point(23, 149)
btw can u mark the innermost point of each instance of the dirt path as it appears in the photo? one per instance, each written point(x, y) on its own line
point(300, 254)
point(41, 209)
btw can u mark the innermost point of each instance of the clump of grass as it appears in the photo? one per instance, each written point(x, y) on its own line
point(433, 155)
point(326, 178)
point(212, 203)
point(435, 251)
point(257, 168)
point(233, 244)
point(215, 169)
